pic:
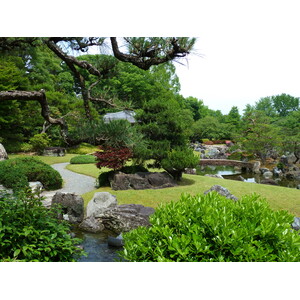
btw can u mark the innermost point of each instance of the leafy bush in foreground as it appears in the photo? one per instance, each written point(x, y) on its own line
point(83, 159)
point(213, 228)
point(15, 173)
point(31, 232)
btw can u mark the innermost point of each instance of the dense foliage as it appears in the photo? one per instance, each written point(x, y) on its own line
point(212, 228)
point(179, 159)
point(30, 232)
point(17, 172)
point(113, 158)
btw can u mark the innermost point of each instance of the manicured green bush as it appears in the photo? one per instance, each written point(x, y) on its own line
point(179, 159)
point(39, 142)
point(83, 159)
point(17, 172)
point(213, 228)
point(83, 148)
point(31, 232)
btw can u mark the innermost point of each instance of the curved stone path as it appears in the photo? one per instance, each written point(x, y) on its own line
point(72, 183)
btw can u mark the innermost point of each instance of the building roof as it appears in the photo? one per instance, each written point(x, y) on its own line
point(120, 115)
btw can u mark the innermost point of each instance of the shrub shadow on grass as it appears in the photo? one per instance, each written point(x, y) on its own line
point(186, 181)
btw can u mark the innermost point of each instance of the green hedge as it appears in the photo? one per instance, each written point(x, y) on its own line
point(83, 159)
point(17, 172)
point(214, 228)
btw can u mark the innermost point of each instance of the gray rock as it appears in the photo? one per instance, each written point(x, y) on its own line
point(298, 186)
point(296, 223)
point(115, 241)
point(54, 151)
point(222, 191)
point(191, 171)
point(267, 175)
point(142, 180)
point(126, 217)
point(256, 167)
point(72, 206)
point(214, 175)
point(101, 202)
point(3, 153)
point(92, 224)
point(36, 186)
point(240, 178)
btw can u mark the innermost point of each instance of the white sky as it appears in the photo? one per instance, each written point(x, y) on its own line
point(248, 52)
point(246, 49)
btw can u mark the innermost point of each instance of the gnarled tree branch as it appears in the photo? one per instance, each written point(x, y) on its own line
point(146, 60)
point(41, 98)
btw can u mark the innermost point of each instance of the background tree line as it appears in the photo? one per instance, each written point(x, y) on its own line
point(81, 89)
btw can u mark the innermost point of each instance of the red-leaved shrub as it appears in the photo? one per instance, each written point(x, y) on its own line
point(113, 158)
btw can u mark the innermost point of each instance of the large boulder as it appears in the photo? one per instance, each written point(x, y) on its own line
point(72, 206)
point(54, 151)
point(3, 154)
point(92, 224)
point(222, 191)
point(268, 175)
point(104, 213)
point(100, 203)
point(126, 217)
point(256, 167)
point(142, 180)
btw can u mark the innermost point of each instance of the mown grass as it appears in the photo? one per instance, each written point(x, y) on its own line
point(278, 197)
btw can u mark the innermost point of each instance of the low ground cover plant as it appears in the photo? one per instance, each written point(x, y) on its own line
point(83, 159)
point(31, 232)
point(17, 172)
point(213, 228)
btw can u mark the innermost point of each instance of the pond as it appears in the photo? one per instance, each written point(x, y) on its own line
point(96, 247)
point(231, 173)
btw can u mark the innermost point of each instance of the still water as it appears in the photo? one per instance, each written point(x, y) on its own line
point(231, 173)
point(96, 247)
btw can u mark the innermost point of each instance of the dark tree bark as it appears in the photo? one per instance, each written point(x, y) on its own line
point(146, 60)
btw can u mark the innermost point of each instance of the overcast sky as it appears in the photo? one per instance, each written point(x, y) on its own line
point(246, 51)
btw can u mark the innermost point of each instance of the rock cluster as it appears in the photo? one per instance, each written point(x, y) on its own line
point(142, 180)
point(103, 212)
point(222, 191)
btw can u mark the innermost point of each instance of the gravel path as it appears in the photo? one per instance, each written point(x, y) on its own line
point(73, 182)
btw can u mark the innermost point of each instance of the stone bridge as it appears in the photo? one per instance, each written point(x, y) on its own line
point(226, 162)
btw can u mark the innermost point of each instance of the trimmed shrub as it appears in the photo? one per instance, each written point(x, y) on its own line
point(39, 142)
point(30, 232)
point(17, 172)
point(83, 159)
point(83, 148)
point(213, 228)
point(179, 159)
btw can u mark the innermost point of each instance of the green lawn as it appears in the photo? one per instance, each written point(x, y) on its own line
point(278, 197)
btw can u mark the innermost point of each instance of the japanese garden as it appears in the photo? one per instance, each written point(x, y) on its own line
point(104, 147)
